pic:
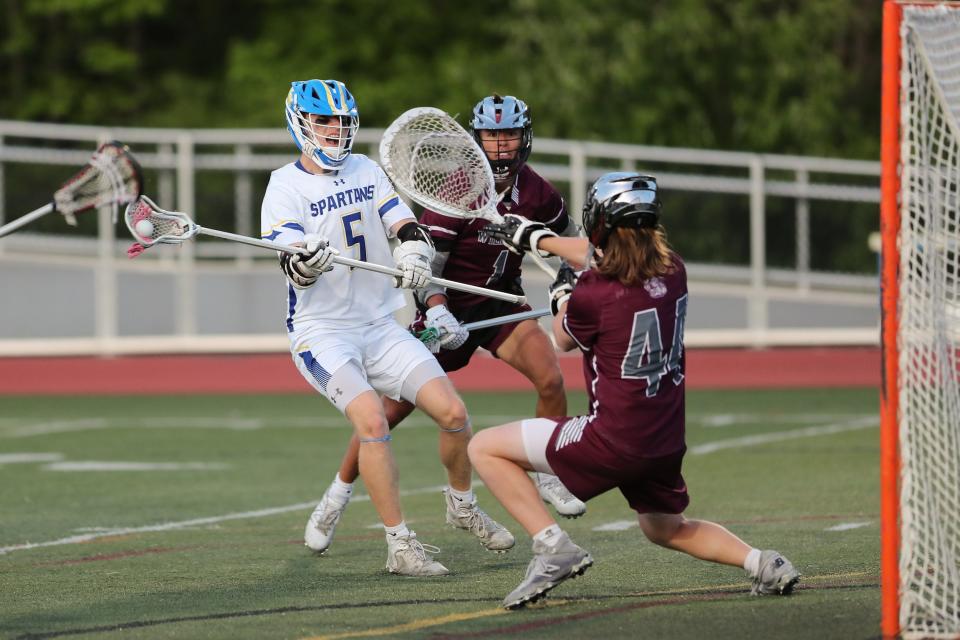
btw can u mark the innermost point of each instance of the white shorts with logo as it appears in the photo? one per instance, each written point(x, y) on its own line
point(343, 363)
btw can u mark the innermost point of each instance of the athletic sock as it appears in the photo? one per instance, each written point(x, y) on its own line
point(399, 531)
point(548, 536)
point(752, 563)
point(340, 491)
point(462, 498)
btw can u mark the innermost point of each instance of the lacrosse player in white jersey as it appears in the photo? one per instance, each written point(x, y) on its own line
point(343, 337)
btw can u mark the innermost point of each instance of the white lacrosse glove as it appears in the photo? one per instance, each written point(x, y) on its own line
point(303, 269)
point(520, 234)
point(452, 334)
point(413, 258)
point(561, 288)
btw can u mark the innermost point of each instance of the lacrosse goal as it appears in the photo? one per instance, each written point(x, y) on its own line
point(920, 402)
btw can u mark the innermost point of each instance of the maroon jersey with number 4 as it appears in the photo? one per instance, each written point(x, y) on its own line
point(478, 260)
point(633, 361)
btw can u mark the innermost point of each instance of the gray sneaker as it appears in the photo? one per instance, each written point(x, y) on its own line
point(407, 556)
point(776, 577)
point(553, 492)
point(468, 516)
point(550, 566)
point(319, 531)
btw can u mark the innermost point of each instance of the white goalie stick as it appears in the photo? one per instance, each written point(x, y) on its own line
point(152, 225)
point(438, 165)
point(111, 177)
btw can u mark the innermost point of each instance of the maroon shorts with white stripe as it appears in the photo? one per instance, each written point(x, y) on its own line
point(588, 466)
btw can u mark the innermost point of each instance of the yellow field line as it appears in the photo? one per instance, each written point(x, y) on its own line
point(413, 626)
point(486, 613)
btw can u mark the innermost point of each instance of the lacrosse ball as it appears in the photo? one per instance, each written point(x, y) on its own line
point(144, 228)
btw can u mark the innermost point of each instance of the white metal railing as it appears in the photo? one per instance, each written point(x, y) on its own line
point(178, 154)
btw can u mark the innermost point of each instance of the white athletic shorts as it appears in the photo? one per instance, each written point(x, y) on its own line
point(536, 434)
point(380, 356)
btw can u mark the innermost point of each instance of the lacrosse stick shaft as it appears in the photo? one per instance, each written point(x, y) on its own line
point(513, 317)
point(359, 264)
point(27, 219)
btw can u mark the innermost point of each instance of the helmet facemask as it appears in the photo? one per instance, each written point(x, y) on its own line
point(322, 117)
point(503, 114)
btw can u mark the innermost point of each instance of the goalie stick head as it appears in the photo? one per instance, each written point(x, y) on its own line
point(620, 199)
point(323, 119)
point(438, 165)
point(503, 113)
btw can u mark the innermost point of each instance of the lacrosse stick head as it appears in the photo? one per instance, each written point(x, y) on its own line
point(152, 225)
point(111, 177)
point(439, 165)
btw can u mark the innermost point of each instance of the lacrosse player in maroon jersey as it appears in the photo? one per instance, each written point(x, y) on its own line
point(501, 125)
point(626, 313)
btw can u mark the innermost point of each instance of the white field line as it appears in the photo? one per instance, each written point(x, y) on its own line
point(19, 430)
point(864, 422)
point(185, 524)
point(14, 428)
point(847, 526)
point(94, 465)
point(15, 458)
point(859, 423)
point(616, 525)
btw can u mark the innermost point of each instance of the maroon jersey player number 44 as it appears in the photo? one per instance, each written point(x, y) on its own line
point(626, 314)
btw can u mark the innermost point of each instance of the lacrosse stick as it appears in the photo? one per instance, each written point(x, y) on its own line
point(429, 335)
point(152, 225)
point(438, 165)
point(111, 176)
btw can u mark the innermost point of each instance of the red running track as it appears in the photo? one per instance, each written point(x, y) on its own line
point(275, 373)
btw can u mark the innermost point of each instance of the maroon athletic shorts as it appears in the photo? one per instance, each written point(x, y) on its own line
point(589, 467)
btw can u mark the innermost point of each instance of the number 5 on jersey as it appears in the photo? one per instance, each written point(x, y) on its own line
point(348, 221)
point(645, 357)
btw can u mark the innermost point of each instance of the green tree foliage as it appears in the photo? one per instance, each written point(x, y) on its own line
point(777, 76)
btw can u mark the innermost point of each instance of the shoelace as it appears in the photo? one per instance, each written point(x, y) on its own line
point(419, 548)
point(477, 520)
point(327, 517)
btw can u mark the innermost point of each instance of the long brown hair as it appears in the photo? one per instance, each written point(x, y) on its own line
point(633, 255)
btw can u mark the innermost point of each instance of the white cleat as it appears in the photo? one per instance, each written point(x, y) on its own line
point(323, 521)
point(550, 566)
point(468, 516)
point(553, 492)
point(777, 577)
point(407, 556)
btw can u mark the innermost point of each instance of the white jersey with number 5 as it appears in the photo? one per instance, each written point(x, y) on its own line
point(353, 209)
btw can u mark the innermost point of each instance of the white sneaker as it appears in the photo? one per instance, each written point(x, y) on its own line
point(467, 515)
point(407, 556)
point(323, 521)
point(553, 492)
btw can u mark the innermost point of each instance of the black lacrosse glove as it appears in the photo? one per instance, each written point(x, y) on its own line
point(519, 234)
point(562, 287)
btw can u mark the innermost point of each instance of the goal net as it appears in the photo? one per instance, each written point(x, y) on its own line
point(927, 349)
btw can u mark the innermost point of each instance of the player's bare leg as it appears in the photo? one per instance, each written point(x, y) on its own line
point(528, 350)
point(396, 411)
point(376, 462)
point(439, 400)
point(501, 460)
point(771, 572)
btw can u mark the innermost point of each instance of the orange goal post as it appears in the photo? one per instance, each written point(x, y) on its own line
point(920, 399)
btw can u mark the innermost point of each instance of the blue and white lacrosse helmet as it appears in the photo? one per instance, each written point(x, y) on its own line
point(330, 145)
point(504, 112)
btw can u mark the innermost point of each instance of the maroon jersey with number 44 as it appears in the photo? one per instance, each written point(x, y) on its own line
point(633, 360)
point(485, 262)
